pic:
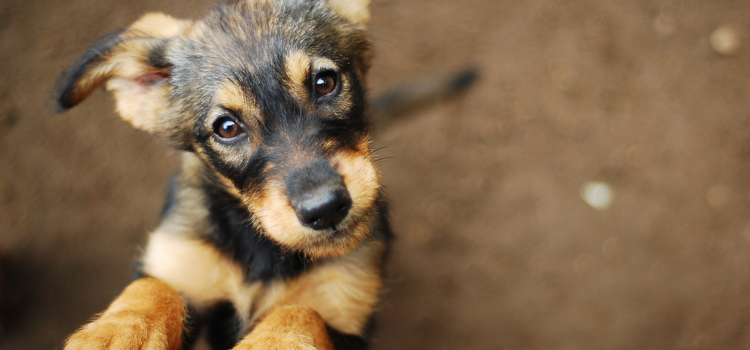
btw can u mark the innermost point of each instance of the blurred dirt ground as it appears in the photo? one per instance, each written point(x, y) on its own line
point(497, 249)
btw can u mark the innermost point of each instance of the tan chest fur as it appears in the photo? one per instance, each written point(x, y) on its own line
point(344, 291)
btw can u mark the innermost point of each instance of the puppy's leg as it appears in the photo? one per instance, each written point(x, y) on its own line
point(149, 314)
point(288, 327)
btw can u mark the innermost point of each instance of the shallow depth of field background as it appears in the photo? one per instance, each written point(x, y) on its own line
point(497, 248)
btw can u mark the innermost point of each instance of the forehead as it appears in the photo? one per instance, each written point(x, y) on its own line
point(255, 34)
point(260, 46)
point(250, 41)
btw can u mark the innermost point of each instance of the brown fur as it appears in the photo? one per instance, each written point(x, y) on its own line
point(288, 328)
point(149, 314)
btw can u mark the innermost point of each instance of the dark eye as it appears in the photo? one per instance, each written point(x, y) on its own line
point(227, 127)
point(325, 83)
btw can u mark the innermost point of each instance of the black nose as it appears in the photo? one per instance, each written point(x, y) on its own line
point(323, 207)
point(318, 195)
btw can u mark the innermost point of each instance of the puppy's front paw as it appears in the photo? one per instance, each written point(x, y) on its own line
point(288, 328)
point(120, 330)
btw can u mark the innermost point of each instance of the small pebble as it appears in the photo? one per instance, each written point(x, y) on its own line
point(597, 194)
point(725, 41)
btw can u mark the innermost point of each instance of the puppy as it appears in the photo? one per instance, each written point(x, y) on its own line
point(275, 228)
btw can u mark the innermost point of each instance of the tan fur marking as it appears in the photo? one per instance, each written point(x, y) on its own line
point(344, 291)
point(329, 144)
point(360, 177)
point(147, 315)
point(297, 67)
point(356, 11)
point(231, 96)
point(198, 271)
point(320, 63)
point(280, 221)
point(159, 25)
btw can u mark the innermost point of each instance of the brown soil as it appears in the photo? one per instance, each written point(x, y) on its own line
point(497, 249)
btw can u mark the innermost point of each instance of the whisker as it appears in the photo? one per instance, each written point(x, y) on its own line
point(379, 159)
point(378, 149)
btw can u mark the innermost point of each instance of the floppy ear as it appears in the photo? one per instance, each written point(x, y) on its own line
point(356, 11)
point(133, 66)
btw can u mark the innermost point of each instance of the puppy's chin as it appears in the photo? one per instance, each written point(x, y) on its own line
point(332, 243)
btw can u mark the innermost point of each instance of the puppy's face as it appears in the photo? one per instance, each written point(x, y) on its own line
point(269, 94)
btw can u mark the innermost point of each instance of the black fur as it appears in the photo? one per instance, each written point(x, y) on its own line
point(157, 57)
point(221, 323)
point(223, 327)
point(342, 341)
point(313, 176)
point(234, 234)
point(193, 327)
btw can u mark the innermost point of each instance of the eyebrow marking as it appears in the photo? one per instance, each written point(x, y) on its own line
point(230, 96)
point(297, 67)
